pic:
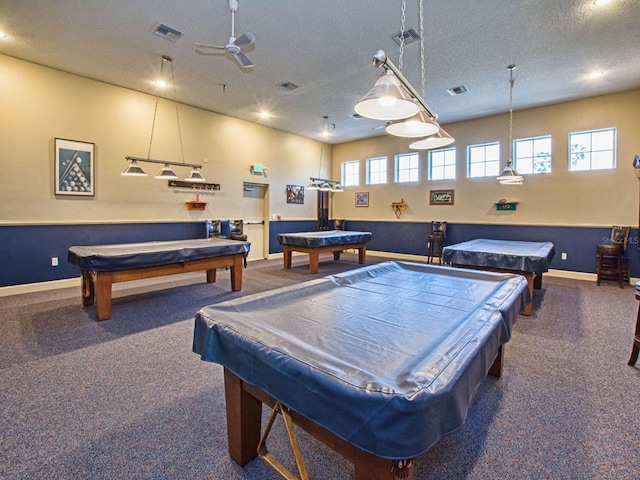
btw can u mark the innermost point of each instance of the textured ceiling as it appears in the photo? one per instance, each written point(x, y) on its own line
point(326, 48)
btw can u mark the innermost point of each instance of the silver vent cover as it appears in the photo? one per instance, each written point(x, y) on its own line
point(410, 36)
point(288, 86)
point(457, 90)
point(167, 32)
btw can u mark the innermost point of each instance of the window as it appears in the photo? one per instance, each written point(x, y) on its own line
point(351, 173)
point(592, 150)
point(407, 167)
point(532, 155)
point(376, 170)
point(442, 164)
point(484, 160)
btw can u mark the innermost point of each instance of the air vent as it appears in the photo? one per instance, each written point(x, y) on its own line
point(457, 90)
point(288, 86)
point(356, 116)
point(410, 36)
point(167, 32)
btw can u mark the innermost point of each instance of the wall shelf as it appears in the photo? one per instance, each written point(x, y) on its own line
point(194, 185)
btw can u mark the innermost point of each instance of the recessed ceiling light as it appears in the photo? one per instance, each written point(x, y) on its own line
point(3, 35)
point(264, 114)
point(597, 74)
point(161, 84)
point(599, 3)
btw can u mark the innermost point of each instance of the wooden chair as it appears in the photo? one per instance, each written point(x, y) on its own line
point(611, 264)
point(435, 242)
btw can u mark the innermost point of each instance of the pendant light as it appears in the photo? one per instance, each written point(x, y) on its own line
point(387, 100)
point(509, 175)
point(167, 173)
point(438, 140)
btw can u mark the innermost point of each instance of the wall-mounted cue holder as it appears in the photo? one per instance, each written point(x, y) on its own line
point(194, 185)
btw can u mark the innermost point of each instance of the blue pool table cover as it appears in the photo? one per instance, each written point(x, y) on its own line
point(104, 258)
point(503, 254)
point(387, 357)
point(324, 238)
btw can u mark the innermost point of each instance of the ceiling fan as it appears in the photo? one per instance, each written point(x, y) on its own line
point(235, 45)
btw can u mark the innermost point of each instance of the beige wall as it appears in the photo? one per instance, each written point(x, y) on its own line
point(598, 198)
point(40, 104)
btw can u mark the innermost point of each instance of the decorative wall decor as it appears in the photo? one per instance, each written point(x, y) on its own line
point(362, 199)
point(295, 194)
point(441, 197)
point(74, 168)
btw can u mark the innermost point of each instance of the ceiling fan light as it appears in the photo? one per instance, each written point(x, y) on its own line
point(195, 176)
point(440, 139)
point(420, 125)
point(387, 100)
point(134, 170)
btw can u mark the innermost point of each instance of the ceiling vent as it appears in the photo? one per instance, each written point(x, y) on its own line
point(167, 32)
point(410, 36)
point(288, 86)
point(457, 90)
point(356, 116)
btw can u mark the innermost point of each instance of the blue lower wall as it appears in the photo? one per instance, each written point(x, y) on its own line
point(27, 250)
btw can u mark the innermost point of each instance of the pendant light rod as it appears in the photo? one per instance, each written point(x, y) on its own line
point(380, 59)
point(162, 162)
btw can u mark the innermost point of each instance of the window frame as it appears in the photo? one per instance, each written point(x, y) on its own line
point(589, 151)
point(493, 172)
point(377, 160)
point(444, 152)
point(350, 179)
point(413, 178)
point(534, 155)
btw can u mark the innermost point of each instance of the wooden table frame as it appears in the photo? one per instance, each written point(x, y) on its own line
point(244, 414)
point(314, 253)
point(96, 286)
point(534, 279)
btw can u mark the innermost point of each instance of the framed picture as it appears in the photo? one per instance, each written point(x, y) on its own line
point(362, 199)
point(441, 197)
point(295, 194)
point(75, 167)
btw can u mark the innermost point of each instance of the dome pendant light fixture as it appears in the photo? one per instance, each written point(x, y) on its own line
point(509, 175)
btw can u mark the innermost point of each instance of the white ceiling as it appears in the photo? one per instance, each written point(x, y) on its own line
point(326, 48)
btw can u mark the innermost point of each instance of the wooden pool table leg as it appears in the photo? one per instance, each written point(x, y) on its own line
point(244, 414)
point(530, 276)
point(314, 261)
point(211, 275)
point(103, 285)
point(362, 254)
point(286, 252)
point(88, 290)
point(236, 273)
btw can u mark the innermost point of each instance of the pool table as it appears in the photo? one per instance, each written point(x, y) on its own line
point(315, 243)
point(529, 259)
point(379, 362)
point(103, 265)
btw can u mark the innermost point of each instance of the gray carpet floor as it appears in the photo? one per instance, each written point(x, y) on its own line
point(127, 399)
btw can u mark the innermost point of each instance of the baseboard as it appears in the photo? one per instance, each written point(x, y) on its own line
point(39, 287)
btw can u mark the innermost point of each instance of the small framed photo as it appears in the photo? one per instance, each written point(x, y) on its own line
point(295, 194)
point(74, 168)
point(362, 199)
point(441, 197)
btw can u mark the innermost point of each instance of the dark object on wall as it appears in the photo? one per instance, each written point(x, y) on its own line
point(323, 210)
point(295, 194)
point(441, 197)
point(236, 232)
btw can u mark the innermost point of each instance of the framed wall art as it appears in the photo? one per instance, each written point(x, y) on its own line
point(441, 197)
point(295, 194)
point(362, 199)
point(74, 167)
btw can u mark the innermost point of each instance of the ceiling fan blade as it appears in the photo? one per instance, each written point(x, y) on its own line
point(243, 60)
point(216, 47)
point(245, 40)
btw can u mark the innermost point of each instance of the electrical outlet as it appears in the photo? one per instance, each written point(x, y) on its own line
point(564, 256)
point(54, 261)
